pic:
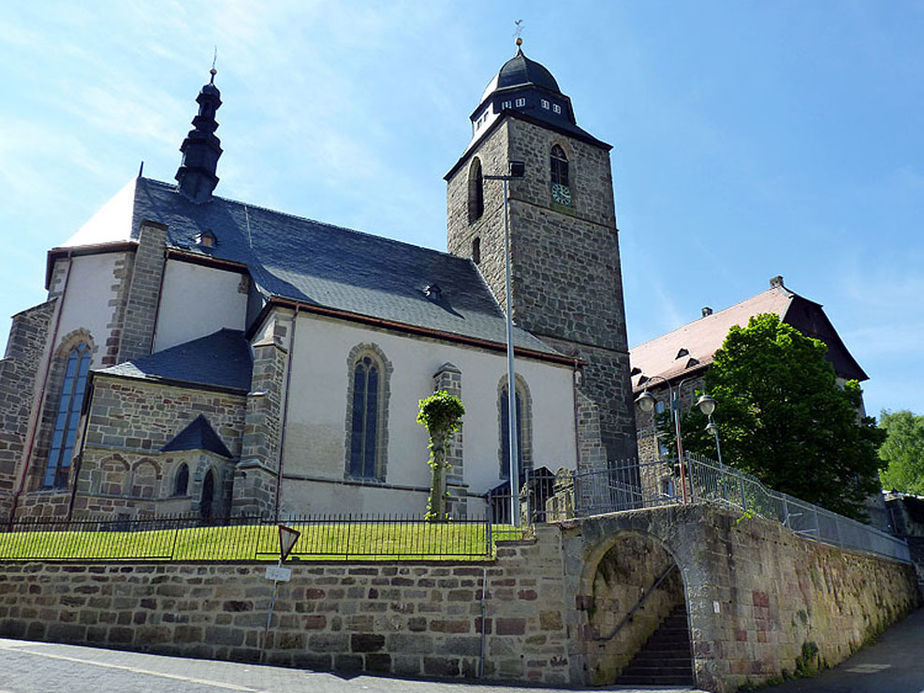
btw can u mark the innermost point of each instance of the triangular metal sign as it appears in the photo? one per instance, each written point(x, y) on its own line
point(287, 539)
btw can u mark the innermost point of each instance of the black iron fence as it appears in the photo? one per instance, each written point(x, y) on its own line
point(249, 538)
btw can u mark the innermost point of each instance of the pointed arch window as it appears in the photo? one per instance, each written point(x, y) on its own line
point(561, 185)
point(475, 192)
point(181, 481)
point(523, 418)
point(67, 416)
point(367, 413)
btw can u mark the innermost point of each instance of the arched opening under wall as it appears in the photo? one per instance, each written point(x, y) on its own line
point(638, 622)
point(206, 504)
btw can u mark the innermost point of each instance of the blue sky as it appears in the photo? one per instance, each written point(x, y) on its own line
point(750, 139)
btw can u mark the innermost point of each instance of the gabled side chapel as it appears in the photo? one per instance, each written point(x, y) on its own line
point(200, 354)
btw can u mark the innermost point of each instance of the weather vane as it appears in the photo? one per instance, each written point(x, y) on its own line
point(519, 31)
point(213, 71)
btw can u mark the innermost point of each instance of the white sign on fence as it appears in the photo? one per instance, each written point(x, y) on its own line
point(277, 572)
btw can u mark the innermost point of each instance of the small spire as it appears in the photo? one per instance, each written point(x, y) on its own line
point(201, 149)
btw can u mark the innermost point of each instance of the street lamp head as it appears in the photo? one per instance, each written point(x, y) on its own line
point(706, 404)
point(645, 401)
point(711, 428)
point(517, 169)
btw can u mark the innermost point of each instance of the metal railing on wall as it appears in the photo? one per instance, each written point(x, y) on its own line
point(248, 538)
point(631, 485)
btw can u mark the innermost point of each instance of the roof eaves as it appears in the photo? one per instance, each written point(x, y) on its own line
point(172, 382)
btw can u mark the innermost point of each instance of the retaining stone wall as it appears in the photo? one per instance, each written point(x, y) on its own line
point(397, 618)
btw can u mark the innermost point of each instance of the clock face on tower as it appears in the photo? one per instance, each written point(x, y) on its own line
point(561, 194)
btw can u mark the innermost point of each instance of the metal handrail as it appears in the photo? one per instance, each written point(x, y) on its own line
point(638, 605)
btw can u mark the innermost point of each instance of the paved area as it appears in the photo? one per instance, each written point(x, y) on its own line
point(33, 667)
point(893, 664)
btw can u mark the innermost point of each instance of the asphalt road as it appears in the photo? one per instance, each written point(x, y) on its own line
point(894, 664)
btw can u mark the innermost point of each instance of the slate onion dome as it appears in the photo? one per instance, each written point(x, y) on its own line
point(526, 86)
point(201, 149)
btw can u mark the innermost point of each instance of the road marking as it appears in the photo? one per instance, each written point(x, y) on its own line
point(137, 670)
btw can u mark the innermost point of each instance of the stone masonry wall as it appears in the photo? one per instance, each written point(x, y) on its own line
point(565, 267)
point(18, 373)
point(140, 312)
point(757, 595)
point(404, 619)
point(122, 468)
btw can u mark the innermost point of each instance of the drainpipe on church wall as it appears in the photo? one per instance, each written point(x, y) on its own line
point(39, 402)
point(284, 417)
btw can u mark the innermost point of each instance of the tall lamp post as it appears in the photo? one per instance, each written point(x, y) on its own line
point(516, 169)
point(646, 401)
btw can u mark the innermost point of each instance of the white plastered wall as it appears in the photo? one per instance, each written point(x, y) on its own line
point(315, 444)
point(86, 306)
point(197, 301)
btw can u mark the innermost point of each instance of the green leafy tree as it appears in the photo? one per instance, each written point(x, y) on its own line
point(783, 418)
point(902, 451)
point(441, 413)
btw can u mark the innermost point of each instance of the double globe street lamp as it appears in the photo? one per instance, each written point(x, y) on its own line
point(706, 404)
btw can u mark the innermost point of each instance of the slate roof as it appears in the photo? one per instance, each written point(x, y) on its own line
point(692, 347)
point(198, 435)
point(221, 359)
point(520, 71)
point(317, 264)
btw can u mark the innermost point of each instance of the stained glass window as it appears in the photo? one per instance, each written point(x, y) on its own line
point(364, 432)
point(64, 434)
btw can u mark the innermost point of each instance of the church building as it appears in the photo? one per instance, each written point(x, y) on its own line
point(205, 355)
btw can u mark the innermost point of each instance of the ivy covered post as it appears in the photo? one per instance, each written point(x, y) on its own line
point(441, 414)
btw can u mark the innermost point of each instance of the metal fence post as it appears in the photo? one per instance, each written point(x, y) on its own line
point(744, 501)
point(785, 511)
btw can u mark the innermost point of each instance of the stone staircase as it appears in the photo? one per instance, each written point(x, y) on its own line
point(666, 659)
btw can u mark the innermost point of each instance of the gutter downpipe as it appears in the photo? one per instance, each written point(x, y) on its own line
point(285, 416)
point(37, 410)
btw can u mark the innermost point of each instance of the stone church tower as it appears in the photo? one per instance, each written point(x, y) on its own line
point(566, 277)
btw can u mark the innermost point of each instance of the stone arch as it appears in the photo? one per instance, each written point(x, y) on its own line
point(145, 479)
point(112, 477)
point(618, 573)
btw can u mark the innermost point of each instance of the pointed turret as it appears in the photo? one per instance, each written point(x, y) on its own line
point(201, 148)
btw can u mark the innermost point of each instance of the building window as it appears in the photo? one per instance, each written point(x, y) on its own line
point(545, 103)
point(67, 417)
point(475, 191)
point(367, 408)
point(476, 250)
point(561, 188)
point(506, 104)
point(523, 418)
point(181, 481)
point(556, 108)
point(520, 103)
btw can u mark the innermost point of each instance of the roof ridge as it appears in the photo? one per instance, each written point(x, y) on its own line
point(789, 294)
point(367, 234)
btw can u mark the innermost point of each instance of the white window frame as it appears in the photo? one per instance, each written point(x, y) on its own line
point(556, 108)
point(520, 102)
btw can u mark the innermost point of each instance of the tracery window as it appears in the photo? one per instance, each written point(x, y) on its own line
point(67, 417)
point(523, 418)
point(367, 414)
point(561, 187)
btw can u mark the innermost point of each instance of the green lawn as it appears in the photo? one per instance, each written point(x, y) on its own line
point(319, 541)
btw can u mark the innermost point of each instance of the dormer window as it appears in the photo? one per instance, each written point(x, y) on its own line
point(544, 103)
point(207, 239)
point(683, 352)
point(507, 104)
point(520, 103)
point(556, 108)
